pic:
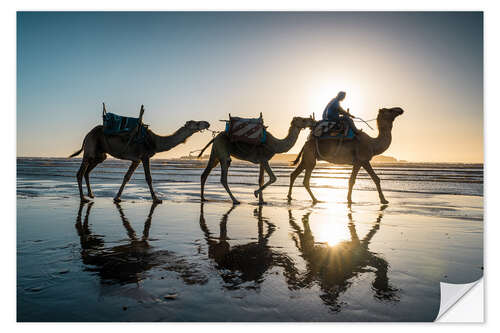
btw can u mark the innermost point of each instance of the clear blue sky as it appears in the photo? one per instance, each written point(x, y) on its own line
point(201, 66)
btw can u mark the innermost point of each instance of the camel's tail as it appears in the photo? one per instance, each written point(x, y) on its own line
point(298, 156)
point(75, 153)
point(208, 144)
point(79, 151)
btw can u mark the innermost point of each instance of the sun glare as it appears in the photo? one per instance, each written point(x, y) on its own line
point(332, 232)
point(321, 94)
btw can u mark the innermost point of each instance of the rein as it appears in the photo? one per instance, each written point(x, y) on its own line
point(214, 133)
point(365, 121)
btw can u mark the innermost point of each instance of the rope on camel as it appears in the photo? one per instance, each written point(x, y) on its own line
point(214, 134)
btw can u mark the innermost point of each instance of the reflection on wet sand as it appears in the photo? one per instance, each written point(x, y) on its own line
point(334, 267)
point(128, 263)
point(247, 262)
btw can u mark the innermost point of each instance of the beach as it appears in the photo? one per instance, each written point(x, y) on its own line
point(183, 260)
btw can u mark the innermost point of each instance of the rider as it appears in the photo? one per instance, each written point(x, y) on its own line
point(333, 110)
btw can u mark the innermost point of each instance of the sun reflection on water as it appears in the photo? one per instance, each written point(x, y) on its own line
point(331, 232)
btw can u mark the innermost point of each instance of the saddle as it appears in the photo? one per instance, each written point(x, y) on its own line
point(247, 130)
point(332, 130)
point(114, 124)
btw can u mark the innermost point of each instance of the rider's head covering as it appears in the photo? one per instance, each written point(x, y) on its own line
point(341, 95)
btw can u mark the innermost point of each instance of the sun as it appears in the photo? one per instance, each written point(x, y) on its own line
point(321, 93)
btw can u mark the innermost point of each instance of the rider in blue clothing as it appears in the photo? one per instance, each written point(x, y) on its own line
point(333, 110)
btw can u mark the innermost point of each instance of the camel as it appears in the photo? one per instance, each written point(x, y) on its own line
point(223, 149)
point(96, 145)
point(357, 152)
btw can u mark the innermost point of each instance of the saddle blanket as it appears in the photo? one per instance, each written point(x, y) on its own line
point(332, 130)
point(248, 130)
point(114, 124)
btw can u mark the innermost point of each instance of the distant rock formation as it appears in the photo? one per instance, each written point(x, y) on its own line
point(384, 159)
point(285, 158)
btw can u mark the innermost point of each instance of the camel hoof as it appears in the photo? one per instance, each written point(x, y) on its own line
point(236, 202)
point(83, 199)
point(384, 202)
point(256, 193)
point(91, 195)
point(117, 199)
point(157, 201)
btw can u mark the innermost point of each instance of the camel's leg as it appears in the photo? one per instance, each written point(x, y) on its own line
point(92, 165)
point(129, 173)
point(79, 177)
point(352, 180)
point(294, 176)
point(261, 182)
point(272, 178)
point(376, 180)
point(149, 180)
point(307, 178)
point(212, 163)
point(224, 166)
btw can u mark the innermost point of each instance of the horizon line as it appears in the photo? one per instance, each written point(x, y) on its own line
point(174, 158)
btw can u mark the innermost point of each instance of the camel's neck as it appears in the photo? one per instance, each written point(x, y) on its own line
point(164, 143)
point(384, 138)
point(285, 144)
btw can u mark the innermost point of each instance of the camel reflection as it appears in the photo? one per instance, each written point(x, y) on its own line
point(129, 262)
point(249, 262)
point(333, 267)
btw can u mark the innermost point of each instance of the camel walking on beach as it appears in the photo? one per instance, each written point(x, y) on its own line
point(96, 145)
point(223, 149)
point(357, 152)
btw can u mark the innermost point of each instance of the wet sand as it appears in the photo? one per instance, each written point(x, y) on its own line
point(284, 261)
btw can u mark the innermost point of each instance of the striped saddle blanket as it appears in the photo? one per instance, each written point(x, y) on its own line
point(332, 130)
point(248, 130)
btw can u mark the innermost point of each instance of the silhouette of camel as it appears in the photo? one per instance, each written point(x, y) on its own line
point(242, 263)
point(128, 263)
point(332, 267)
point(357, 153)
point(223, 149)
point(96, 145)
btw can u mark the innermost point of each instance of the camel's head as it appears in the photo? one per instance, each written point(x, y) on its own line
point(301, 122)
point(389, 114)
point(197, 125)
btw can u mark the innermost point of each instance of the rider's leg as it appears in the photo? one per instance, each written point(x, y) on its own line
point(352, 125)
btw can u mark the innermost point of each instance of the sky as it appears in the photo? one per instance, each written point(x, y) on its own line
point(203, 65)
